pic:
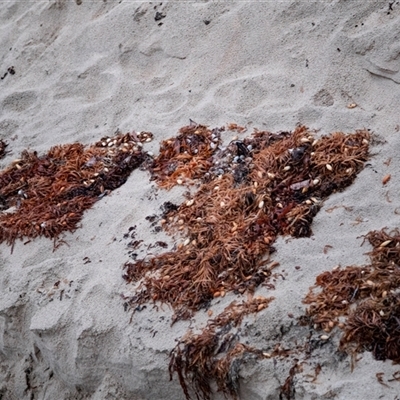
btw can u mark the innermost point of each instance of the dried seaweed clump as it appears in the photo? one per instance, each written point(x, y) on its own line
point(255, 189)
point(186, 157)
point(215, 354)
point(46, 195)
point(363, 301)
point(3, 146)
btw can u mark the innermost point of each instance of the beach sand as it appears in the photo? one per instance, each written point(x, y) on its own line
point(84, 71)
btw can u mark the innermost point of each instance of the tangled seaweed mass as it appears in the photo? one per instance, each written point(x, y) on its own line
point(199, 356)
point(363, 300)
point(47, 195)
point(251, 191)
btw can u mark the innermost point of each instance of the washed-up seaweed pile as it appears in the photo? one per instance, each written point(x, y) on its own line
point(185, 157)
point(364, 301)
point(255, 189)
point(215, 354)
point(46, 195)
point(3, 146)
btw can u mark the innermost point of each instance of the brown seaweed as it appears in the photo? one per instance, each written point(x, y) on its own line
point(215, 354)
point(253, 190)
point(287, 390)
point(363, 300)
point(249, 192)
point(374, 326)
point(185, 157)
point(47, 195)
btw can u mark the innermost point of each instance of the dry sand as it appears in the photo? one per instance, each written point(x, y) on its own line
point(84, 71)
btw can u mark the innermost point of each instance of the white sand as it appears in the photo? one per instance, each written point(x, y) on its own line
point(84, 71)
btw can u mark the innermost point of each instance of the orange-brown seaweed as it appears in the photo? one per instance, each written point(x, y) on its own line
point(363, 300)
point(185, 157)
point(252, 191)
point(47, 195)
point(215, 354)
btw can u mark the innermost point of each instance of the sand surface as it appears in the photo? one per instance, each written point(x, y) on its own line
point(83, 71)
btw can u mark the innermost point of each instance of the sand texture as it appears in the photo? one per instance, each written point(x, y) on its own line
point(79, 71)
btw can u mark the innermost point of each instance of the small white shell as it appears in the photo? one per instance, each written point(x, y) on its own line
point(261, 204)
point(329, 167)
point(190, 202)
